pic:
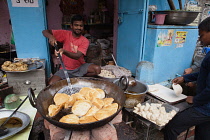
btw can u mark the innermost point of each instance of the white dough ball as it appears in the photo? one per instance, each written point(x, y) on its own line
point(142, 108)
point(153, 117)
point(146, 108)
point(162, 110)
point(151, 108)
point(149, 115)
point(138, 105)
point(136, 108)
point(147, 104)
point(165, 121)
point(159, 122)
point(143, 114)
point(135, 111)
point(173, 113)
point(140, 113)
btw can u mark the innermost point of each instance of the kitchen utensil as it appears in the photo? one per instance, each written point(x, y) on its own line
point(24, 118)
point(134, 94)
point(177, 17)
point(165, 94)
point(125, 82)
point(4, 130)
point(159, 18)
point(167, 106)
point(31, 67)
point(114, 70)
point(129, 80)
point(12, 101)
point(45, 99)
point(67, 89)
point(180, 4)
point(171, 4)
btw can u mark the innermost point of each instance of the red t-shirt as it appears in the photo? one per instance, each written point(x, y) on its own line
point(71, 44)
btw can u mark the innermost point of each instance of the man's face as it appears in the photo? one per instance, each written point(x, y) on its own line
point(77, 27)
point(204, 38)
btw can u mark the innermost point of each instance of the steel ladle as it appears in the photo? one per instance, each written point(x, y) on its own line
point(4, 130)
point(67, 89)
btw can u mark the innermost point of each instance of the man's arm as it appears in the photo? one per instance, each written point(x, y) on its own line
point(204, 96)
point(190, 77)
point(49, 35)
point(76, 55)
point(185, 78)
point(52, 41)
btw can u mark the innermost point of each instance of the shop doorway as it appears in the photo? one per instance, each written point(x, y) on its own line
point(7, 41)
point(99, 25)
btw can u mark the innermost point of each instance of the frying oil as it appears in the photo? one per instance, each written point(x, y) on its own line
point(12, 123)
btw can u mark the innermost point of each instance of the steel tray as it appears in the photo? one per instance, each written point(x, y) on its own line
point(31, 66)
point(12, 131)
point(167, 106)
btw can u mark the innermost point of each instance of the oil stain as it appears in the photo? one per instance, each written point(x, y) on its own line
point(13, 122)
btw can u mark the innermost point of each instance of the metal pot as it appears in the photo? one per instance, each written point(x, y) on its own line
point(45, 98)
point(176, 17)
point(134, 93)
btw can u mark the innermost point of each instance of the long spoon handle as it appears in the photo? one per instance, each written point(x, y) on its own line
point(63, 66)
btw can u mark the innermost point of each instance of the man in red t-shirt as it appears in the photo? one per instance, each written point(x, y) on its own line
point(74, 48)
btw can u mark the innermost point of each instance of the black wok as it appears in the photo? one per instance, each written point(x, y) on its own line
point(45, 98)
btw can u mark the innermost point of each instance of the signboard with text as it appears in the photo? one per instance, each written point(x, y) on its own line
point(24, 3)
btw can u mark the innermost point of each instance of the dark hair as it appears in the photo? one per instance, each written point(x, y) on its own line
point(77, 18)
point(205, 25)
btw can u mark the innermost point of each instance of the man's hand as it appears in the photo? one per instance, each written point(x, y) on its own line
point(178, 80)
point(52, 41)
point(188, 71)
point(61, 50)
point(49, 35)
point(189, 99)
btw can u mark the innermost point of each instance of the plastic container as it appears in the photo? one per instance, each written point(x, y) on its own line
point(159, 18)
point(12, 101)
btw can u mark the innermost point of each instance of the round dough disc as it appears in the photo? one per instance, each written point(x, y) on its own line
point(177, 89)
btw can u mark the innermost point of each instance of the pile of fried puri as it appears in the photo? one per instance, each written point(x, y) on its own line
point(17, 66)
point(88, 105)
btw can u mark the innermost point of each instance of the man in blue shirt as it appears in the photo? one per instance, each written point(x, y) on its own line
point(199, 114)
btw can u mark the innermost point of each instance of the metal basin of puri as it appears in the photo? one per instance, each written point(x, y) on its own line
point(45, 99)
point(178, 17)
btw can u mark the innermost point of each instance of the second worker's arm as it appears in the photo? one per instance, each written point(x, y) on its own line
point(52, 41)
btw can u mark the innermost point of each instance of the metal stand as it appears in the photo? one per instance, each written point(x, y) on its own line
point(136, 123)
